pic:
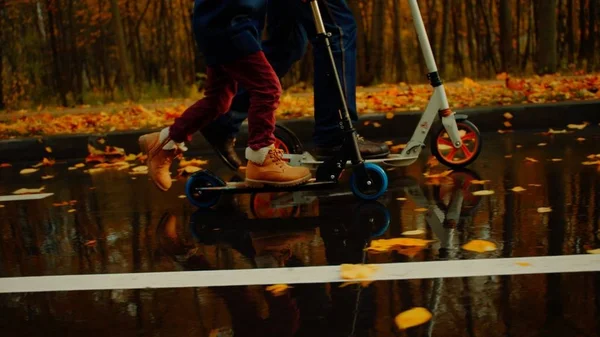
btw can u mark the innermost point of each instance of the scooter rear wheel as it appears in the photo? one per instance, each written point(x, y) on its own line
point(445, 152)
point(287, 141)
point(203, 199)
point(373, 190)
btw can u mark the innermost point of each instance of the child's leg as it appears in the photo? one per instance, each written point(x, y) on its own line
point(162, 147)
point(266, 165)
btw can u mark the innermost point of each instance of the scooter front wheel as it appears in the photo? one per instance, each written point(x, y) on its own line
point(199, 198)
point(443, 149)
point(369, 187)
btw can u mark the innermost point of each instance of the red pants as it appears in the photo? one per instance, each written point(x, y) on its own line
point(256, 75)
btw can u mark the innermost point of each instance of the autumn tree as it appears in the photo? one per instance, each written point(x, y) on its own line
point(546, 39)
point(124, 65)
point(506, 36)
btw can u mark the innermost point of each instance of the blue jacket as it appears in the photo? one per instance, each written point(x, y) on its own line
point(226, 30)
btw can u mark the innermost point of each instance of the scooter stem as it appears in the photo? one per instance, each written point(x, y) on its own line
point(422, 34)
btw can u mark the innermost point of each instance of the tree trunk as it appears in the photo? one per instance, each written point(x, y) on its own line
point(582, 32)
point(377, 40)
point(2, 106)
point(518, 10)
point(457, 55)
point(491, 55)
point(55, 59)
point(506, 45)
point(364, 77)
point(591, 49)
point(546, 51)
point(445, 30)
point(125, 68)
point(570, 34)
point(77, 79)
point(401, 75)
point(432, 25)
point(470, 36)
point(528, 44)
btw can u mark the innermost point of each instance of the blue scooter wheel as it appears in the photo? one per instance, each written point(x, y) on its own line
point(203, 199)
point(378, 183)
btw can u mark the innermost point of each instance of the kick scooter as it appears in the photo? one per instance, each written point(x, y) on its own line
point(368, 181)
point(456, 144)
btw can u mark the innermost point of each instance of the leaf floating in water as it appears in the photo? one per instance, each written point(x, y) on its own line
point(556, 160)
point(483, 192)
point(542, 144)
point(46, 177)
point(182, 196)
point(508, 115)
point(412, 318)
point(524, 264)
point(359, 272)
point(594, 251)
point(531, 160)
point(377, 125)
point(72, 210)
point(5, 165)
point(90, 243)
point(48, 149)
point(421, 210)
point(80, 165)
point(142, 169)
point(278, 289)
point(29, 190)
point(519, 146)
point(389, 115)
point(386, 245)
point(401, 199)
point(192, 162)
point(578, 126)
point(554, 132)
point(1, 206)
point(28, 171)
point(480, 246)
point(534, 185)
point(437, 175)
point(589, 163)
point(479, 182)
point(507, 124)
point(508, 156)
point(544, 209)
point(414, 232)
point(518, 189)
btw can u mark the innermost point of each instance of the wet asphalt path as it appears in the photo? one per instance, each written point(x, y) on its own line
point(120, 223)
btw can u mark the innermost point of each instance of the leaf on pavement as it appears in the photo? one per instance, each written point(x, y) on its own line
point(29, 190)
point(142, 169)
point(480, 246)
point(278, 289)
point(413, 317)
point(192, 162)
point(28, 170)
point(544, 209)
point(358, 272)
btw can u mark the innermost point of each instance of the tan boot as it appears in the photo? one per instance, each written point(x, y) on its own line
point(274, 170)
point(159, 160)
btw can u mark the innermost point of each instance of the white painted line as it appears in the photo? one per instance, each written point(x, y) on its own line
point(325, 274)
point(21, 197)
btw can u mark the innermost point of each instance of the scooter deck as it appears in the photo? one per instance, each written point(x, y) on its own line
point(393, 159)
point(242, 187)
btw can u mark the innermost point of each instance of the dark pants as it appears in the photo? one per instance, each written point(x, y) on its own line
point(290, 26)
point(263, 90)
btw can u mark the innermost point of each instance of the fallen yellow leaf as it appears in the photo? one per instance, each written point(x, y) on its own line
point(532, 160)
point(131, 157)
point(72, 168)
point(28, 170)
point(71, 210)
point(552, 131)
point(277, 289)
point(182, 196)
point(389, 115)
point(46, 177)
point(508, 156)
point(518, 189)
point(192, 162)
point(534, 185)
point(588, 163)
point(2, 206)
point(401, 199)
point(142, 169)
point(483, 192)
point(437, 175)
point(80, 165)
point(507, 124)
point(594, 251)
point(384, 245)
point(29, 190)
point(577, 126)
point(556, 160)
point(580, 139)
point(48, 149)
point(359, 272)
point(5, 165)
point(523, 264)
point(480, 246)
point(421, 210)
point(508, 115)
point(542, 144)
point(412, 318)
point(377, 125)
point(544, 209)
point(414, 232)
point(479, 182)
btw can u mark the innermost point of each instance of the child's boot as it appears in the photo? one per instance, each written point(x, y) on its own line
point(267, 167)
point(161, 151)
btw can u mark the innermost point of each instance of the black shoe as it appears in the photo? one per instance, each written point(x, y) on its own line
point(224, 146)
point(368, 150)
